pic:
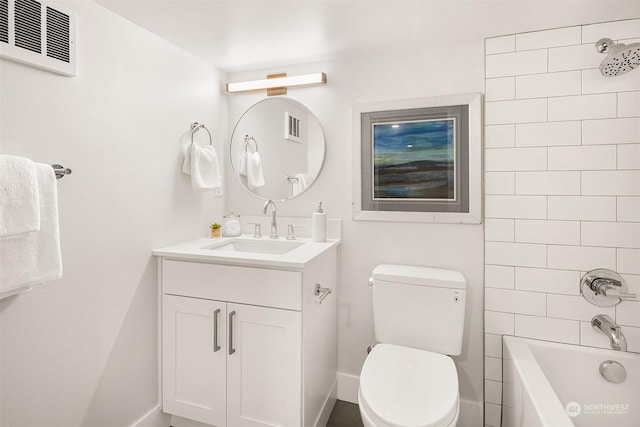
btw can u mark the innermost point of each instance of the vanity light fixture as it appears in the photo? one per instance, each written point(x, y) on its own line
point(277, 84)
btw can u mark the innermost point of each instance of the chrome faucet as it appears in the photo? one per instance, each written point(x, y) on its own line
point(605, 325)
point(274, 223)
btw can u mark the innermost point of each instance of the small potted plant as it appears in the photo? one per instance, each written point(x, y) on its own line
point(215, 229)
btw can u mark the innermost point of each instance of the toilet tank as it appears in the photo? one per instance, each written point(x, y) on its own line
point(419, 307)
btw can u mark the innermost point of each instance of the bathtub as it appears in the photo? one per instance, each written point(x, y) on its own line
point(548, 384)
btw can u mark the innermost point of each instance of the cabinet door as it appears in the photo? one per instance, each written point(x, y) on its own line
point(193, 369)
point(264, 373)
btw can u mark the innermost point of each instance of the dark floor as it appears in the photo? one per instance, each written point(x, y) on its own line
point(345, 414)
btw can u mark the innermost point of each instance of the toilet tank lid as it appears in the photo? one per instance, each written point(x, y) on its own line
point(422, 276)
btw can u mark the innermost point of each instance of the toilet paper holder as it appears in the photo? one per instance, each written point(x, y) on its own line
point(321, 293)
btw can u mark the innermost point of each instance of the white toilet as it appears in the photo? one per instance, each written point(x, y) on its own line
point(409, 379)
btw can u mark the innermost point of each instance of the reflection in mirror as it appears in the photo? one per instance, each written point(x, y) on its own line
point(277, 149)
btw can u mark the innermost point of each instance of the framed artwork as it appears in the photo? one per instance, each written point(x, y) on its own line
point(418, 160)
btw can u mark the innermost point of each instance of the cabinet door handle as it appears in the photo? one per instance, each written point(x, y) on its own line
point(216, 347)
point(231, 349)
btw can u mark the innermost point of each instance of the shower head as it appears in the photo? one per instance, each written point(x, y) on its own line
point(621, 58)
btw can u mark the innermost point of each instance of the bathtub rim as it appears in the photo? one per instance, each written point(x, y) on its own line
point(545, 401)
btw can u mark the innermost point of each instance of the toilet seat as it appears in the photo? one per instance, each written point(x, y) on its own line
point(401, 386)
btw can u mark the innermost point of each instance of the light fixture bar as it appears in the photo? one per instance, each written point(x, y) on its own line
point(289, 81)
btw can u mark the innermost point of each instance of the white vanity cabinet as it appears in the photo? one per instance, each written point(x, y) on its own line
point(245, 345)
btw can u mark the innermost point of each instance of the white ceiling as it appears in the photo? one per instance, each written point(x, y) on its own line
point(244, 34)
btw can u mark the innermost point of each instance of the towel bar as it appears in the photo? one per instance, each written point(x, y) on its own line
point(60, 171)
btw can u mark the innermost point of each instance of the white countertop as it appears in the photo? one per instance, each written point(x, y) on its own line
point(199, 250)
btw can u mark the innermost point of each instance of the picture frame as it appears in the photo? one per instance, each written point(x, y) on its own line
point(418, 160)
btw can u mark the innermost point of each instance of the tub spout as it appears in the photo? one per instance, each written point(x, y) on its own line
point(606, 326)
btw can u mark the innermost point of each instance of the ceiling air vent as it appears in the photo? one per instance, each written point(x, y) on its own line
point(38, 33)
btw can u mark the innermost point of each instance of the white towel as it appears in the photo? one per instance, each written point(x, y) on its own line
point(255, 175)
point(301, 182)
point(202, 164)
point(19, 205)
point(243, 164)
point(34, 257)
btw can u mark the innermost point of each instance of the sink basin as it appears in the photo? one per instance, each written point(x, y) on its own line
point(272, 247)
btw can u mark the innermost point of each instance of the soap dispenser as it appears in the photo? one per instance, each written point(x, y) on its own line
point(319, 224)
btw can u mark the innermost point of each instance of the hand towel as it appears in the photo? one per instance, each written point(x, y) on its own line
point(301, 182)
point(255, 174)
point(243, 164)
point(34, 257)
point(202, 164)
point(19, 205)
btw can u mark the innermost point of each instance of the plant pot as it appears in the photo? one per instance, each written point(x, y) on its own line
point(215, 232)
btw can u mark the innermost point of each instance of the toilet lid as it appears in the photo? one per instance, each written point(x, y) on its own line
point(406, 387)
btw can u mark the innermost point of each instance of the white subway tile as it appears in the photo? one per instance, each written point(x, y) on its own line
point(551, 232)
point(493, 368)
point(493, 391)
point(585, 208)
point(548, 84)
point(633, 282)
point(549, 38)
point(493, 345)
point(500, 89)
point(520, 302)
point(574, 307)
point(611, 183)
point(628, 261)
point(500, 44)
point(500, 183)
point(589, 157)
point(574, 58)
point(520, 111)
point(548, 134)
point(492, 415)
point(499, 136)
point(594, 82)
point(515, 159)
point(629, 104)
point(546, 328)
point(498, 230)
point(546, 280)
point(615, 131)
point(611, 234)
point(629, 156)
point(582, 107)
point(525, 207)
point(616, 30)
point(580, 258)
point(633, 338)
point(516, 63)
point(548, 183)
point(516, 254)
point(498, 323)
point(628, 313)
point(589, 337)
point(629, 209)
point(498, 276)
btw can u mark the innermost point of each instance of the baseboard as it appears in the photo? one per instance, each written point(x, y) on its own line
point(348, 387)
point(327, 408)
point(154, 418)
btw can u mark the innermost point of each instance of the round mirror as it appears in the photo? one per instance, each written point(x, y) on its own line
point(277, 149)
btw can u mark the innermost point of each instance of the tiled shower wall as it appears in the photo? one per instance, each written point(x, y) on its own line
point(562, 181)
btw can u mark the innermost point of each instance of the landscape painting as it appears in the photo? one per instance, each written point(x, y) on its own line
point(414, 160)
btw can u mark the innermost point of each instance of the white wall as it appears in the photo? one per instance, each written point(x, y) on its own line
point(366, 244)
point(562, 189)
point(82, 351)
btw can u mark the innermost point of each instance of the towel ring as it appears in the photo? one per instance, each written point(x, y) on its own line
point(248, 139)
point(195, 127)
